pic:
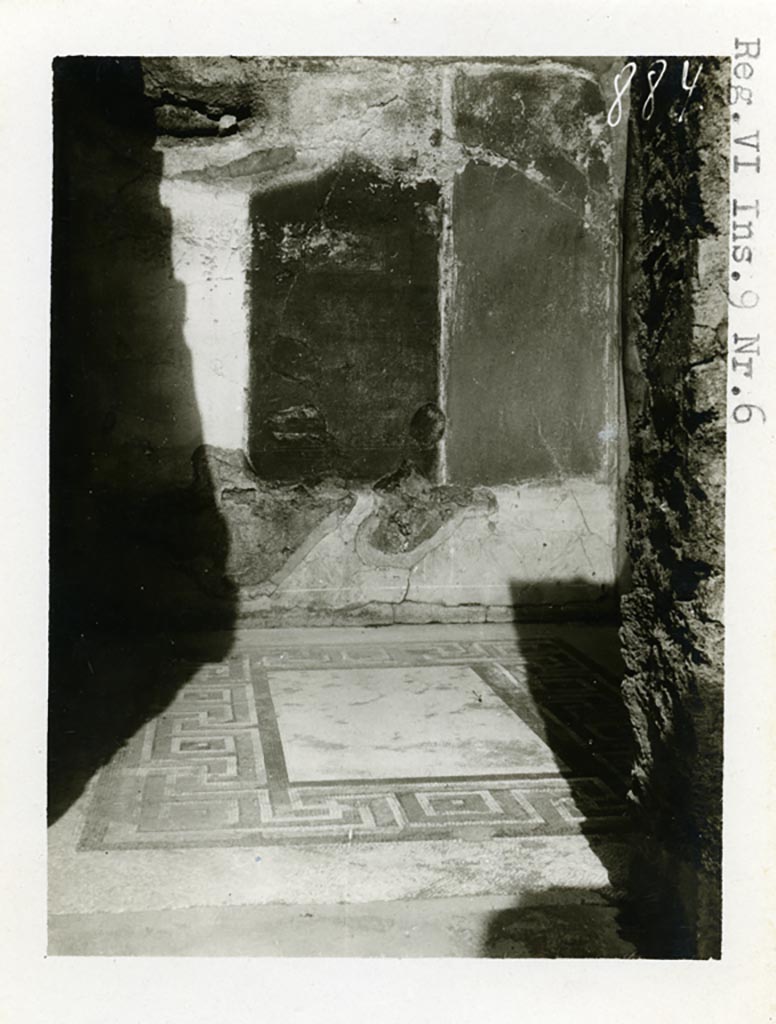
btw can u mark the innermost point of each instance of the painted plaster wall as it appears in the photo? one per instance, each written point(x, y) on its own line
point(168, 312)
point(495, 549)
point(535, 240)
point(345, 327)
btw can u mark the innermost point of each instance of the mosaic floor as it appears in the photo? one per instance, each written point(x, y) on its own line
point(375, 742)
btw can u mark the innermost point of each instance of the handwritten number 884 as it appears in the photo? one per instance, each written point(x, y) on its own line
point(655, 72)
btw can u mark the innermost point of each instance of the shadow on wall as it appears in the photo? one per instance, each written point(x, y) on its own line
point(583, 720)
point(122, 409)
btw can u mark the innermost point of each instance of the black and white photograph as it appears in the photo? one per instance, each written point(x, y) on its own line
point(395, 401)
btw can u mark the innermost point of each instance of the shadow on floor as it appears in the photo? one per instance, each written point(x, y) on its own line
point(588, 730)
point(559, 923)
point(122, 400)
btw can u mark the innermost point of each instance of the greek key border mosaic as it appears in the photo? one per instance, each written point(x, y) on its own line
point(211, 771)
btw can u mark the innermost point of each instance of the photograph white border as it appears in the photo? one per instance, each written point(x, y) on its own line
point(86, 990)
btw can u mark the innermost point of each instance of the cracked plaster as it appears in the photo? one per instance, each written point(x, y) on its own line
point(300, 118)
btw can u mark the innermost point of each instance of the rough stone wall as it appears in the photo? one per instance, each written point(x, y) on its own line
point(676, 338)
point(334, 273)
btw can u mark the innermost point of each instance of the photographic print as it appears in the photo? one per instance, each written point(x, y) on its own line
point(387, 462)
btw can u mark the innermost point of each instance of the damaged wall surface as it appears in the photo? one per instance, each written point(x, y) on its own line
point(345, 327)
point(377, 297)
point(533, 226)
point(672, 634)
